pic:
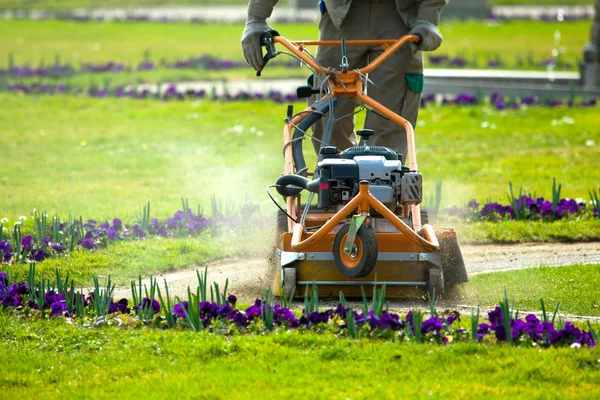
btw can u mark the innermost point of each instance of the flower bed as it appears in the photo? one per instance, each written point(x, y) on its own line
point(529, 207)
point(56, 238)
point(208, 62)
point(205, 62)
point(35, 299)
point(171, 92)
point(527, 63)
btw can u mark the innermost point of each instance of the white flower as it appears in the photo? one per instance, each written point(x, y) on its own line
point(4, 220)
point(22, 218)
point(576, 345)
point(17, 223)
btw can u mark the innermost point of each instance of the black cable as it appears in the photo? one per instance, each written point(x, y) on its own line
point(305, 169)
point(277, 204)
point(291, 142)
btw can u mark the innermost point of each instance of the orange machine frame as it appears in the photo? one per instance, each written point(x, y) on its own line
point(349, 84)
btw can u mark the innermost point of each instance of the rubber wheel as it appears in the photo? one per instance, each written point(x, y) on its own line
point(289, 282)
point(436, 282)
point(363, 257)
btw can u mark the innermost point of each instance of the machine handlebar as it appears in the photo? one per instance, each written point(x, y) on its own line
point(270, 37)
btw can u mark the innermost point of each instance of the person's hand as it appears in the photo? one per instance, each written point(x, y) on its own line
point(432, 38)
point(251, 45)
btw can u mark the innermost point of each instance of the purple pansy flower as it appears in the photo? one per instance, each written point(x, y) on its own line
point(88, 243)
point(112, 234)
point(117, 224)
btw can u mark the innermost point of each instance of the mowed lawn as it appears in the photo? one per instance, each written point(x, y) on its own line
point(33, 42)
point(574, 288)
point(105, 157)
point(54, 359)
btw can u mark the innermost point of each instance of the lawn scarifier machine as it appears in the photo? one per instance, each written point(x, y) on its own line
point(368, 226)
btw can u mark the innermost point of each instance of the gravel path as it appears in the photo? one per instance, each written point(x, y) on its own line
point(248, 278)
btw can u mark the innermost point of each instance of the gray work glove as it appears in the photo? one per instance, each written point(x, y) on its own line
point(432, 38)
point(251, 45)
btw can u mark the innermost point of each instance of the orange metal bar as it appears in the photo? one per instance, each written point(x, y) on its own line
point(388, 52)
point(287, 138)
point(428, 243)
point(410, 141)
point(294, 49)
point(289, 160)
point(339, 42)
point(410, 132)
point(349, 85)
point(300, 245)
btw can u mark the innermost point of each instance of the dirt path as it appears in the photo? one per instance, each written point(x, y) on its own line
point(248, 278)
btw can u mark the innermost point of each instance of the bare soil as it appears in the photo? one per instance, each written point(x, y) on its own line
point(249, 277)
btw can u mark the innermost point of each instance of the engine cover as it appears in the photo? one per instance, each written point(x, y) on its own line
point(388, 182)
point(376, 167)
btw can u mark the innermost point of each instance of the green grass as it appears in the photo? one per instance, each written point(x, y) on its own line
point(53, 359)
point(126, 261)
point(574, 287)
point(33, 42)
point(101, 158)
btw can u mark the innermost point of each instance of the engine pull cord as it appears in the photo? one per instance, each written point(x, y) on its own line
point(277, 204)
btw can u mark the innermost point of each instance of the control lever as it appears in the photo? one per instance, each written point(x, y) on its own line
point(266, 39)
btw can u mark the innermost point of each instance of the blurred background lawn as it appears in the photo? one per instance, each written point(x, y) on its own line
point(33, 42)
point(102, 158)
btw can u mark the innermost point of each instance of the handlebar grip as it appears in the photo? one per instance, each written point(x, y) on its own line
point(420, 42)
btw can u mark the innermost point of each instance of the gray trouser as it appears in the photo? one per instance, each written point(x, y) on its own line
point(369, 19)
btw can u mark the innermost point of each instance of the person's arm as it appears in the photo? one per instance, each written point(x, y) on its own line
point(428, 18)
point(256, 25)
point(261, 9)
point(430, 10)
